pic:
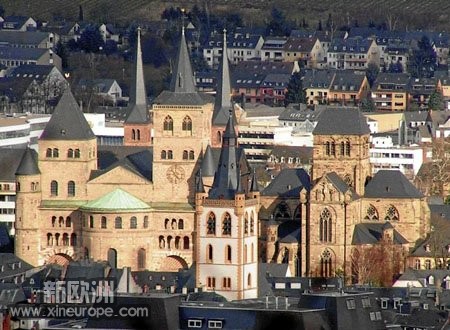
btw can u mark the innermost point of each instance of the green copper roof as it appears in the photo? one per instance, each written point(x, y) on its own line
point(117, 200)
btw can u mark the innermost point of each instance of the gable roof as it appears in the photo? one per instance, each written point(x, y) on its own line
point(371, 233)
point(341, 121)
point(391, 184)
point(22, 37)
point(116, 200)
point(288, 183)
point(67, 121)
point(337, 182)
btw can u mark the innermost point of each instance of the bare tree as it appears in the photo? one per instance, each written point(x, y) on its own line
point(391, 20)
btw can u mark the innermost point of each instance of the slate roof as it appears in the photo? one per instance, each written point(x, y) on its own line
point(305, 153)
point(21, 54)
point(109, 155)
point(208, 166)
point(442, 211)
point(12, 266)
point(338, 183)
point(289, 231)
point(182, 78)
point(391, 184)
point(22, 37)
point(67, 121)
point(299, 44)
point(371, 233)
point(293, 114)
point(116, 200)
point(341, 121)
point(9, 162)
point(288, 183)
point(28, 164)
point(222, 102)
point(318, 78)
point(345, 81)
point(350, 45)
point(392, 81)
point(34, 71)
point(170, 98)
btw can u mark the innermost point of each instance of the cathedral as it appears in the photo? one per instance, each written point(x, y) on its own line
point(180, 192)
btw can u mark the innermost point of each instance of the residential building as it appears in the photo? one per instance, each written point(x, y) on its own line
point(390, 91)
point(273, 50)
point(28, 39)
point(19, 23)
point(352, 53)
point(309, 52)
point(108, 89)
point(13, 57)
point(421, 90)
point(317, 84)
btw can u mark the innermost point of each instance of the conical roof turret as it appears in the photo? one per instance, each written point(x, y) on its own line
point(28, 165)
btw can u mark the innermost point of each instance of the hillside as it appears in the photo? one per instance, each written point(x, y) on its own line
point(409, 14)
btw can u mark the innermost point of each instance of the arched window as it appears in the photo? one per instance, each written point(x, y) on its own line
point(112, 258)
point(342, 148)
point(169, 242)
point(252, 253)
point(133, 134)
point(138, 134)
point(347, 148)
point(133, 223)
point(168, 124)
point(166, 223)
point(65, 239)
point(61, 221)
point(417, 264)
point(68, 222)
point(219, 136)
point(73, 239)
point(327, 148)
point(252, 224)
point(226, 224)
point(54, 188)
point(177, 242)
point(169, 154)
point(326, 264)
point(209, 253)
point(163, 154)
point(186, 243)
point(325, 231)
point(141, 256)
point(49, 153)
point(371, 213)
point(162, 242)
point(104, 223)
point(245, 253)
point(191, 155)
point(57, 239)
point(55, 152)
point(180, 224)
point(211, 224)
point(187, 124)
point(428, 264)
point(91, 221)
point(282, 212)
point(391, 214)
point(146, 221)
point(77, 153)
point(249, 280)
point(53, 221)
point(246, 224)
point(70, 153)
point(185, 154)
point(71, 188)
point(228, 254)
point(174, 223)
point(118, 223)
point(86, 253)
point(333, 149)
point(49, 239)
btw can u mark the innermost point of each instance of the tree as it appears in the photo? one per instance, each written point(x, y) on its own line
point(367, 105)
point(372, 73)
point(423, 60)
point(295, 92)
point(436, 101)
point(80, 14)
point(277, 25)
point(62, 52)
point(396, 67)
point(91, 40)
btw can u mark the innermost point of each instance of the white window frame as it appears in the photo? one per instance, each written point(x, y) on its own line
point(195, 323)
point(215, 324)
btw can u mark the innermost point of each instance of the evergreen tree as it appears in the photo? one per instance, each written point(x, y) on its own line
point(295, 92)
point(62, 52)
point(80, 14)
point(91, 40)
point(436, 101)
point(423, 60)
point(372, 73)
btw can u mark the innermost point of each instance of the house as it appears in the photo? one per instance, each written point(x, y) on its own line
point(272, 49)
point(317, 84)
point(66, 30)
point(390, 91)
point(420, 90)
point(28, 39)
point(108, 89)
point(19, 23)
point(348, 88)
point(309, 52)
point(352, 53)
point(12, 57)
point(108, 32)
point(273, 88)
point(396, 56)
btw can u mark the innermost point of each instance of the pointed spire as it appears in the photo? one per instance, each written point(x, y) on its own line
point(240, 187)
point(208, 168)
point(226, 177)
point(223, 96)
point(199, 186)
point(254, 186)
point(137, 105)
point(183, 78)
point(67, 121)
point(28, 164)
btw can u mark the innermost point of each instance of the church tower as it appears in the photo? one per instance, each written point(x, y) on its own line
point(227, 227)
point(341, 145)
point(137, 126)
point(222, 103)
point(28, 188)
point(182, 128)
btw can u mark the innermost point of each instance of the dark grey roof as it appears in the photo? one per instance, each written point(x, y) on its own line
point(391, 81)
point(337, 182)
point(21, 54)
point(22, 37)
point(137, 106)
point(391, 184)
point(183, 78)
point(32, 70)
point(371, 233)
point(67, 121)
point(342, 121)
point(288, 183)
point(199, 186)
point(441, 211)
point(171, 98)
point(289, 231)
point(10, 160)
point(222, 102)
point(28, 165)
point(12, 266)
point(254, 186)
point(355, 45)
point(208, 166)
point(301, 114)
point(318, 78)
point(347, 81)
